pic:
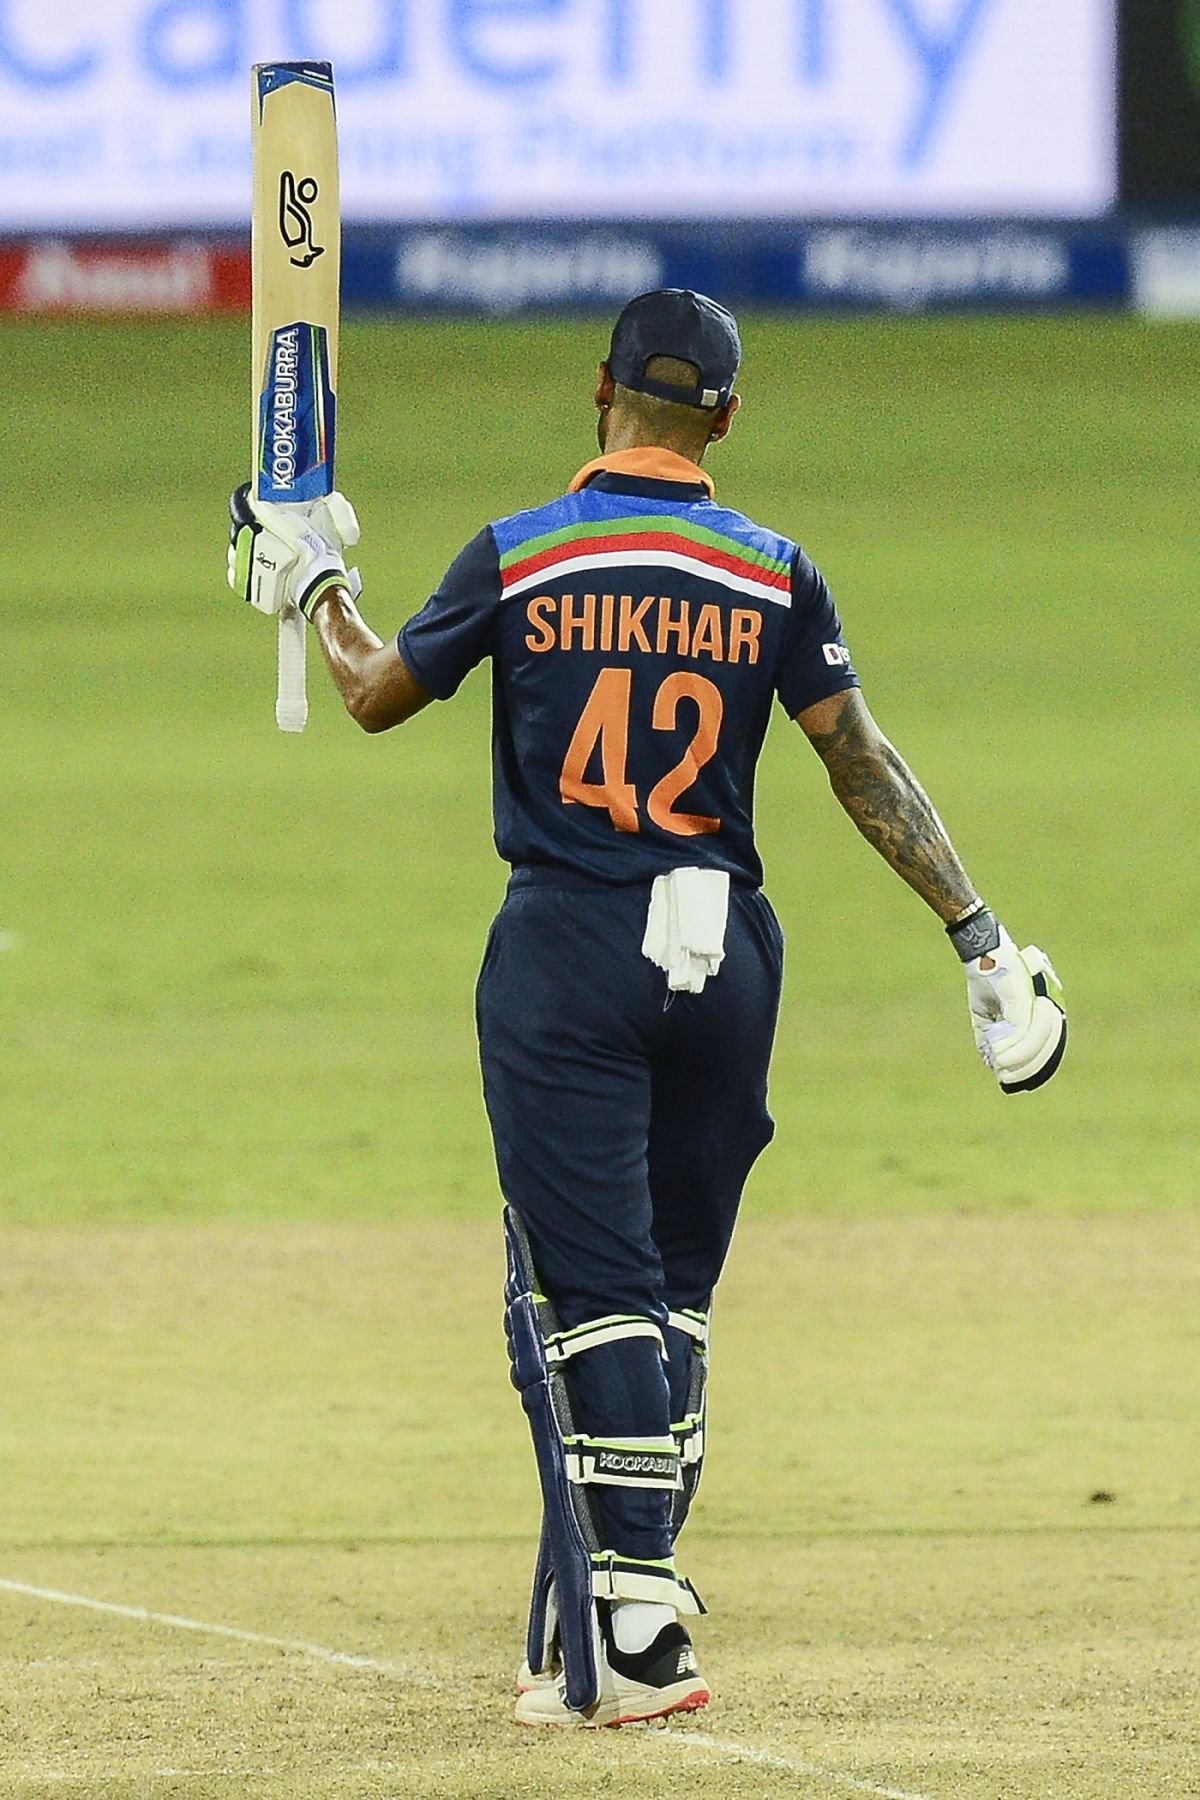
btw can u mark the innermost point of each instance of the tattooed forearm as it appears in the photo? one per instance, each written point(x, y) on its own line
point(887, 802)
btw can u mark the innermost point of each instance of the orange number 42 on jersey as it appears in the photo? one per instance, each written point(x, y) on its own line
point(604, 724)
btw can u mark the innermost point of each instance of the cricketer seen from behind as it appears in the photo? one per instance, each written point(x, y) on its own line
point(638, 633)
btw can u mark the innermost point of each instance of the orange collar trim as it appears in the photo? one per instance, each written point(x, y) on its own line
point(647, 464)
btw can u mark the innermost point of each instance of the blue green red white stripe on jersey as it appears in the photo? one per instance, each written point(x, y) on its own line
point(646, 541)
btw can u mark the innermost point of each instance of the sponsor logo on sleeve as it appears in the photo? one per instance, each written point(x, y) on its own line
point(836, 655)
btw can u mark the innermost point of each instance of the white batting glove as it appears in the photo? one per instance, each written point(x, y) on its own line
point(1016, 1004)
point(290, 555)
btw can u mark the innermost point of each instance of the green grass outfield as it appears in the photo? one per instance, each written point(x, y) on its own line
point(256, 1412)
point(242, 966)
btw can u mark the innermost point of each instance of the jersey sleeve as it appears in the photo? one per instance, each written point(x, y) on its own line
point(456, 627)
point(815, 662)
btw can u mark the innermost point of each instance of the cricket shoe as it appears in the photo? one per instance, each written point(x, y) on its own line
point(526, 1678)
point(647, 1684)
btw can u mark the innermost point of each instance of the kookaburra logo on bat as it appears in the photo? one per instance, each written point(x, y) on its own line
point(295, 220)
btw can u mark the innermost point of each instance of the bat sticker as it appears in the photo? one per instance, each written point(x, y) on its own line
point(295, 220)
point(296, 416)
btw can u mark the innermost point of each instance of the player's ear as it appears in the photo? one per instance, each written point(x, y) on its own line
point(724, 419)
point(605, 386)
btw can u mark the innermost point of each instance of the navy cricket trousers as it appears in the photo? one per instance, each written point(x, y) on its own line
point(625, 1122)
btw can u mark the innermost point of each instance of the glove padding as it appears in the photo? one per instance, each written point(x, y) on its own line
point(1017, 1014)
point(281, 556)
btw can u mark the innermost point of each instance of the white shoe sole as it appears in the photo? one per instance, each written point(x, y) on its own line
point(629, 1705)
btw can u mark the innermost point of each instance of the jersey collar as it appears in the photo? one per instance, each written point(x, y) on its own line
point(650, 464)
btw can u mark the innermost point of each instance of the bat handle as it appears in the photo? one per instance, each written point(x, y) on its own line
point(291, 703)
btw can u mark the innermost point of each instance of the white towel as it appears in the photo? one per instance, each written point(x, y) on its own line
point(685, 926)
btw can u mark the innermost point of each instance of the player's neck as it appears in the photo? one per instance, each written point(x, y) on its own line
point(629, 434)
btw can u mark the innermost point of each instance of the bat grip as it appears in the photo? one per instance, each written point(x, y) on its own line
point(291, 703)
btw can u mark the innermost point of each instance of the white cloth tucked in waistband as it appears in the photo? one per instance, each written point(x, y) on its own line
point(685, 926)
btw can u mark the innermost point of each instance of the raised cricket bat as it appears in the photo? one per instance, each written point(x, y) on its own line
point(296, 241)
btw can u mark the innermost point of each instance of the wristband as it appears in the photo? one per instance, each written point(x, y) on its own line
point(319, 588)
point(976, 935)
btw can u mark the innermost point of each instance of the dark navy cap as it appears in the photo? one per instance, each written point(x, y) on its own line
point(691, 327)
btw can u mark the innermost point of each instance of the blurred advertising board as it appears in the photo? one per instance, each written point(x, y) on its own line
point(899, 268)
point(132, 114)
point(1165, 269)
point(56, 275)
point(505, 269)
point(1160, 105)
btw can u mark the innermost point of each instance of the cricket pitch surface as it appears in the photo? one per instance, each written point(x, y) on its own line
point(268, 1518)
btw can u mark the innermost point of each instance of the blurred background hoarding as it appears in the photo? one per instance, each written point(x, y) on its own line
point(133, 114)
point(510, 155)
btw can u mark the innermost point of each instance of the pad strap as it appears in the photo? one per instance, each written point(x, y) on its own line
point(695, 1324)
point(688, 1432)
point(689, 1439)
point(562, 1345)
point(651, 1462)
point(624, 1578)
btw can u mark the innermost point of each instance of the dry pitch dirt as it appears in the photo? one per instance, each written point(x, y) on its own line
point(306, 1434)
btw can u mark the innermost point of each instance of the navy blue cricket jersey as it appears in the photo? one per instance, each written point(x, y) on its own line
point(638, 632)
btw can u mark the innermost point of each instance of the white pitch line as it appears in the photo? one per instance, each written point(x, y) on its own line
point(770, 1759)
point(69, 1777)
point(298, 1646)
point(691, 1740)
